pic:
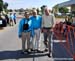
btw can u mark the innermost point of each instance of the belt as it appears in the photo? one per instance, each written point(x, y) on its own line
point(36, 28)
point(47, 27)
point(25, 31)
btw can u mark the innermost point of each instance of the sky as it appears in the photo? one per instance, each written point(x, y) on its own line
point(17, 4)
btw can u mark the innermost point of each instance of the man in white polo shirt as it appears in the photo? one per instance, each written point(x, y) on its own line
point(47, 24)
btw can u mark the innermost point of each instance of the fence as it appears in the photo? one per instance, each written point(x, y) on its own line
point(64, 49)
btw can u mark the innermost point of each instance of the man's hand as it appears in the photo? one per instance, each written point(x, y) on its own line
point(20, 36)
point(51, 30)
point(42, 30)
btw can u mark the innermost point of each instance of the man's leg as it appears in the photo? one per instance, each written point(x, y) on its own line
point(45, 39)
point(33, 42)
point(12, 22)
point(23, 41)
point(38, 41)
point(49, 37)
point(15, 21)
point(28, 41)
point(49, 43)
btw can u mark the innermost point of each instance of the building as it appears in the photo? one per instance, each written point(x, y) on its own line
point(70, 4)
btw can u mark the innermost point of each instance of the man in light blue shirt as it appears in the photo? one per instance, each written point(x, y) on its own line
point(11, 19)
point(36, 21)
point(25, 30)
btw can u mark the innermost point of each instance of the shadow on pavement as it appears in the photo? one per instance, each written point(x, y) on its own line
point(17, 55)
point(1, 28)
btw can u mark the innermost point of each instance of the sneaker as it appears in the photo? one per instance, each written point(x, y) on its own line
point(32, 49)
point(49, 55)
point(46, 50)
point(45, 43)
point(26, 51)
point(29, 51)
point(39, 51)
point(22, 52)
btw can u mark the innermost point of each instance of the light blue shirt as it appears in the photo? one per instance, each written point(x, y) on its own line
point(36, 21)
point(14, 16)
point(23, 21)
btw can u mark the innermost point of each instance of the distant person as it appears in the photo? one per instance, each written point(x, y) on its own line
point(73, 22)
point(11, 19)
point(68, 20)
point(7, 18)
point(14, 17)
point(47, 25)
point(25, 30)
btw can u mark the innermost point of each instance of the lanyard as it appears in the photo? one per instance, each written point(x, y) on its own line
point(26, 21)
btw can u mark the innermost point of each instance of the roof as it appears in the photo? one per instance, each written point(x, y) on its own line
point(68, 3)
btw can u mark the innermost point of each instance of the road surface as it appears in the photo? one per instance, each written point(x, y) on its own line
point(10, 47)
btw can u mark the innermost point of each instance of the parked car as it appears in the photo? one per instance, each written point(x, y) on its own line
point(3, 22)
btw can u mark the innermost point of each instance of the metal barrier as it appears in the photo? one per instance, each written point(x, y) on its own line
point(66, 32)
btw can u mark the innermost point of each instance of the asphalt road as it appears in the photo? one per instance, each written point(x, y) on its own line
point(10, 47)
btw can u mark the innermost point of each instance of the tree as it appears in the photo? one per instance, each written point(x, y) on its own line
point(1, 5)
point(42, 8)
point(16, 10)
point(21, 10)
point(10, 10)
point(63, 10)
point(55, 9)
point(38, 11)
point(5, 5)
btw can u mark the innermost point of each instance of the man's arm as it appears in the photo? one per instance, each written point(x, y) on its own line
point(53, 20)
point(20, 29)
point(42, 22)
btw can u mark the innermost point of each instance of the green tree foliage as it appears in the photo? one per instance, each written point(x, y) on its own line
point(10, 10)
point(63, 10)
point(16, 10)
point(5, 5)
point(42, 8)
point(55, 9)
point(1, 5)
point(21, 10)
point(38, 11)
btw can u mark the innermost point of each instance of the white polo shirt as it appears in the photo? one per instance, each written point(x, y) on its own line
point(48, 21)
